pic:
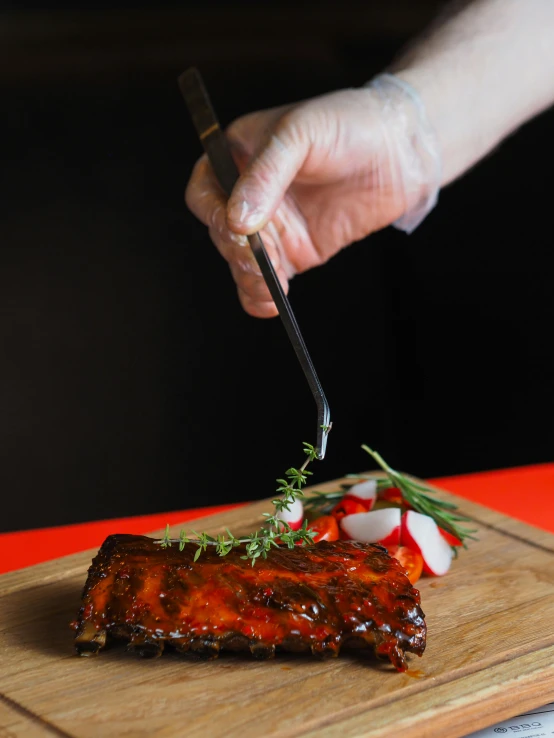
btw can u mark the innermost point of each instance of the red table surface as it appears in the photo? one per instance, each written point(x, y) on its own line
point(525, 493)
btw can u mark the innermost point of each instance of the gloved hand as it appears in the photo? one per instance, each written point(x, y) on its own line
point(317, 176)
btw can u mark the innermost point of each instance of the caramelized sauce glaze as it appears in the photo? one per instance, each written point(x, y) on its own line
point(316, 598)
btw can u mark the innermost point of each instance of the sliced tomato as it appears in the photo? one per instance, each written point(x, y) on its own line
point(325, 528)
point(392, 494)
point(347, 507)
point(451, 539)
point(411, 560)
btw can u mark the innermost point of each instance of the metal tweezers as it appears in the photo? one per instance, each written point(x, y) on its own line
point(219, 154)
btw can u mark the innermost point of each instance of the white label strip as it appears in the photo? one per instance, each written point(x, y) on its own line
point(538, 723)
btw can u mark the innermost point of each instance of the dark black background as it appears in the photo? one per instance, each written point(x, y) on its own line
point(130, 379)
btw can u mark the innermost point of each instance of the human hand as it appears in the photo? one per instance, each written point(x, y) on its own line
point(315, 177)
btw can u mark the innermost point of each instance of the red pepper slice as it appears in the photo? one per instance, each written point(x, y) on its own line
point(347, 507)
point(392, 494)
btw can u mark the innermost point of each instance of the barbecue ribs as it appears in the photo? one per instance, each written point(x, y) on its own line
point(316, 598)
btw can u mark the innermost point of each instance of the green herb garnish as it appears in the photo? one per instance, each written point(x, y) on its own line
point(417, 495)
point(274, 531)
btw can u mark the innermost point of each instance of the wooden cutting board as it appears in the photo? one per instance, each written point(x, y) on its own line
point(490, 655)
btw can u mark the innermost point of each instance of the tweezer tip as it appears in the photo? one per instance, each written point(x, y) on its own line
point(323, 432)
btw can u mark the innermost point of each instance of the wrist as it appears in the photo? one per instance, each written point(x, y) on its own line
point(462, 138)
point(482, 71)
point(413, 151)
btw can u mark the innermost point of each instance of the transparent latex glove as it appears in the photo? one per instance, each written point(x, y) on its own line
point(317, 176)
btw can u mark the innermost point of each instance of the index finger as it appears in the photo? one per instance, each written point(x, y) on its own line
point(204, 196)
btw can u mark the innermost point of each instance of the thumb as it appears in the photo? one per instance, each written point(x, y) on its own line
point(263, 184)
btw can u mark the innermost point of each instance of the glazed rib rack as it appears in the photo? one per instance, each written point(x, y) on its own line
point(316, 598)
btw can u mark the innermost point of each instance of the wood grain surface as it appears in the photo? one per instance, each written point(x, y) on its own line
point(489, 656)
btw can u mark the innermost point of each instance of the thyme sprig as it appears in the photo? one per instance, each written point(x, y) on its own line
point(274, 531)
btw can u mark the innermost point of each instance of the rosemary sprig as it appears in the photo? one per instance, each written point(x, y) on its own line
point(418, 496)
point(274, 531)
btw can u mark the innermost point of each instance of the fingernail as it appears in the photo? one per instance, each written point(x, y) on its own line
point(228, 235)
point(238, 238)
point(242, 214)
point(238, 212)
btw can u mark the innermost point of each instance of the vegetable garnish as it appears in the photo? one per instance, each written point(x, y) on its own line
point(421, 533)
point(283, 525)
point(347, 507)
point(324, 502)
point(378, 526)
point(364, 493)
point(418, 497)
point(325, 528)
point(412, 561)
